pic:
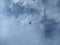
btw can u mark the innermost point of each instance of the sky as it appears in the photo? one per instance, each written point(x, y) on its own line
point(29, 22)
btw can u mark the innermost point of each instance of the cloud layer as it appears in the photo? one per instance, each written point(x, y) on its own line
point(29, 22)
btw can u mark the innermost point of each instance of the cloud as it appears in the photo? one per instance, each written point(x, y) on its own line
point(29, 22)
